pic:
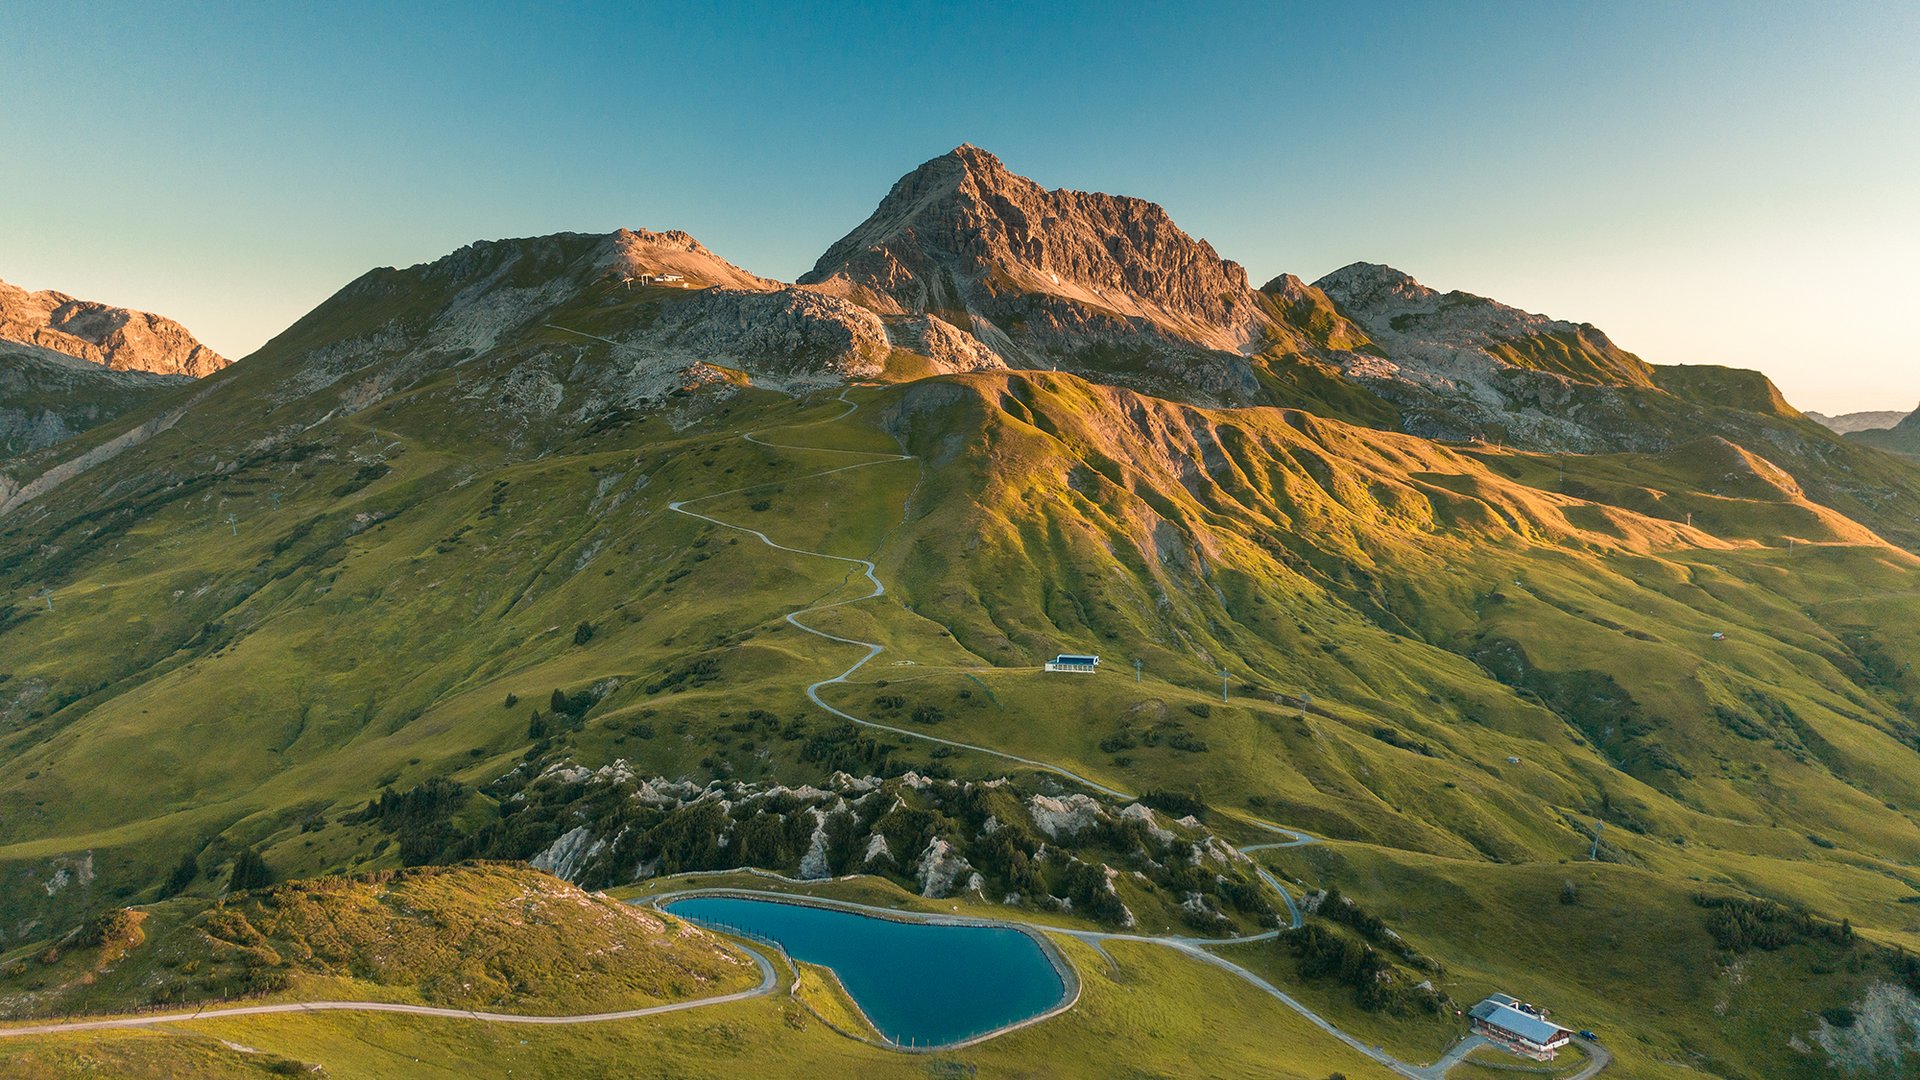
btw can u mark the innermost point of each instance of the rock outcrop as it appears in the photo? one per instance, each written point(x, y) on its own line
point(116, 338)
point(47, 397)
point(1461, 342)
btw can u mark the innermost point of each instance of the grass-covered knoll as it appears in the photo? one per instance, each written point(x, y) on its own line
point(820, 990)
point(480, 936)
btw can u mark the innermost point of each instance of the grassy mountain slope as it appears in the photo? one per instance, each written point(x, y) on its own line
point(1447, 609)
point(1901, 438)
point(426, 540)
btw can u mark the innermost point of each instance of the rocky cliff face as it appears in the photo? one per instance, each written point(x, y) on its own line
point(116, 338)
point(47, 397)
point(1461, 365)
point(1042, 278)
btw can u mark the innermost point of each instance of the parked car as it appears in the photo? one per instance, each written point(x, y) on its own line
point(1589, 1036)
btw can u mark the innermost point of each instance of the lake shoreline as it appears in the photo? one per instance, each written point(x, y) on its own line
point(1063, 969)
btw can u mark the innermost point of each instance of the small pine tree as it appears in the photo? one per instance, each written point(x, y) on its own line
point(1569, 894)
point(512, 700)
point(183, 875)
point(583, 633)
point(250, 871)
point(537, 728)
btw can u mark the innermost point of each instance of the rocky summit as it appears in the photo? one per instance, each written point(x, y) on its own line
point(113, 337)
point(1028, 270)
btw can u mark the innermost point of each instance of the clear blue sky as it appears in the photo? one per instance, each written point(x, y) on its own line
point(1709, 183)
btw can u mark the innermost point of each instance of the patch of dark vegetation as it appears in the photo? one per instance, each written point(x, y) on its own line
point(1740, 924)
point(362, 477)
point(185, 873)
point(1377, 983)
point(690, 675)
point(250, 871)
point(419, 819)
point(1177, 804)
point(1405, 742)
point(847, 747)
point(574, 705)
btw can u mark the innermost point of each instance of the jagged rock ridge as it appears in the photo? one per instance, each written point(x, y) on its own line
point(1045, 278)
point(113, 337)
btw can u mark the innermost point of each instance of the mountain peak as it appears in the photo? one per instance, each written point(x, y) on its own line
point(114, 337)
point(1365, 284)
point(1002, 257)
point(976, 159)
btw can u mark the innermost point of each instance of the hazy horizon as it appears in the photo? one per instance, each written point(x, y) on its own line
point(1712, 184)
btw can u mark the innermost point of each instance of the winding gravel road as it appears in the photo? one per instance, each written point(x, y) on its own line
point(768, 980)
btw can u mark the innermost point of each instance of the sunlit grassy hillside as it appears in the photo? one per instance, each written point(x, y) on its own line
point(1454, 662)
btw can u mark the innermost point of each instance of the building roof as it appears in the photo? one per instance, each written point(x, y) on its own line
point(1075, 658)
point(1507, 1018)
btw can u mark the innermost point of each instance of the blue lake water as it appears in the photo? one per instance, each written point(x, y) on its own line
point(917, 982)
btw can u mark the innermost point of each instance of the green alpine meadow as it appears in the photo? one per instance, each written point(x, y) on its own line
point(1018, 644)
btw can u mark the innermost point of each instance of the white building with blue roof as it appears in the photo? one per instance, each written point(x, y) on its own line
point(1518, 1027)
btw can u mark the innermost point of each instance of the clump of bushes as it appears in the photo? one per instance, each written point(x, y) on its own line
point(250, 871)
point(1377, 985)
point(1739, 924)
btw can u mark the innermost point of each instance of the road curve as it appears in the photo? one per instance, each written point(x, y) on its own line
point(768, 981)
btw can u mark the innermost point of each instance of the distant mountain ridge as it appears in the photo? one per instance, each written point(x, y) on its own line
point(47, 397)
point(1847, 423)
point(967, 266)
point(116, 338)
point(1901, 438)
